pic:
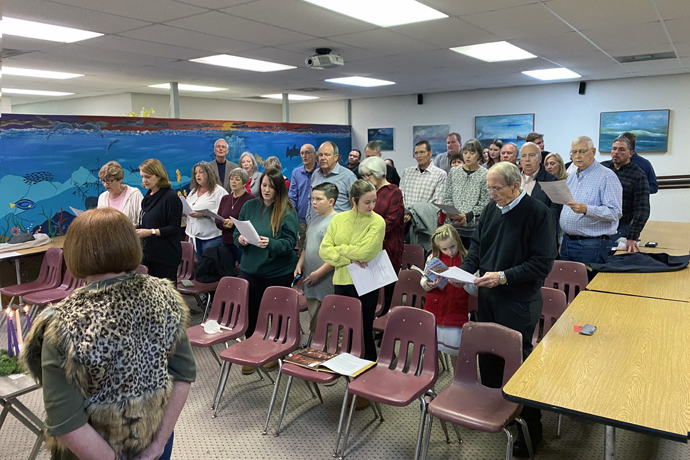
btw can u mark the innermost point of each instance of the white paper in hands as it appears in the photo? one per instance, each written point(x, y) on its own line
point(557, 191)
point(186, 209)
point(448, 209)
point(247, 230)
point(379, 273)
point(209, 213)
point(457, 274)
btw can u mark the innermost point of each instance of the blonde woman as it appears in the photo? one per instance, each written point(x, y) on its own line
point(117, 195)
point(553, 163)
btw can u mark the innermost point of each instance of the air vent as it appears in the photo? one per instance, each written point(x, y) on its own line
point(646, 57)
point(312, 89)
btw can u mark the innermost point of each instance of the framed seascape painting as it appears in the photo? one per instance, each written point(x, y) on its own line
point(650, 127)
point(507, 128)
point(384, 136)
point(435, 134)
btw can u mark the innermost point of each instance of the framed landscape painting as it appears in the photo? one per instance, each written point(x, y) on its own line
point(435, 134)
point(507, 128)
point(384, 136)
point(650, 127)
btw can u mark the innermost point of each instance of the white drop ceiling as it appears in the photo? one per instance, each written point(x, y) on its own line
point(149, 42)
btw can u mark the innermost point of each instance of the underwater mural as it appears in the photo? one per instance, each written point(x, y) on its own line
point(49, 163)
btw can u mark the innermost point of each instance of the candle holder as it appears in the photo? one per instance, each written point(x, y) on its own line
point(12, 342)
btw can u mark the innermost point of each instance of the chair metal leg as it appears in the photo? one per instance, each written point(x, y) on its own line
point(525, 433)
point(318, 392)
point(340, 422)
point(208, 305)
point(215, 356)
point(261, 371)
point(348, 426)
point(422, 420)
point(311, 390)
point(225, 371)
point(427, 436)
point(558, 431)
point(445, 429)
point(509, 448)
point(273, 401)
point(284, 405)
point(443, 362)
point(378, 406)
point(457, 432)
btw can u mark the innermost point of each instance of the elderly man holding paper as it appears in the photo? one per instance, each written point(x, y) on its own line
point(513, 248)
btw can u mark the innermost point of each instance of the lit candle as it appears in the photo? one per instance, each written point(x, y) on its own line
point(14, 334)
point(28, 320)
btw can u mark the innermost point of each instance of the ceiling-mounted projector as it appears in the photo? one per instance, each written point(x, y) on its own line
point(324, 59)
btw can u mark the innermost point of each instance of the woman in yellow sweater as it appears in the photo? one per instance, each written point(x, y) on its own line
point(356, 236)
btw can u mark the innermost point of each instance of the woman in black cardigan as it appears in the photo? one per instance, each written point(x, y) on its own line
point(161, 216)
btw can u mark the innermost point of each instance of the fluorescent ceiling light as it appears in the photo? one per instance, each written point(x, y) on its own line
point(291, 97)
point(184, 87)
point(494, 52)
point(41, 31)
point(360, 81)
point(559, 73)
point(384, 13)
point(236, 62)
point(34, 92)
point(39, 73)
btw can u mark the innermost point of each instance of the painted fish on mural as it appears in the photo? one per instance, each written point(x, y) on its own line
point(292, 152)
point(107, 149)
point(94, 126)
point(34, 178)
point(58, 126)
point(133, 169)
point(23, 204)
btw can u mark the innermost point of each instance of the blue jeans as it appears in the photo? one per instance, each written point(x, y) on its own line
point(167, 452)
point(202, 245)
point(587, 251)
point(234, 250)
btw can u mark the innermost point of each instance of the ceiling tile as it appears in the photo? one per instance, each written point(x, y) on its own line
point(523, 21)
point(308, 48)
point(446, 33)
point(149, 10)
point(224, 25)
point(646, 35)
point(174, 36)
point(581, 13)
point(69, 16)
point(385, 42)
point(456, 8)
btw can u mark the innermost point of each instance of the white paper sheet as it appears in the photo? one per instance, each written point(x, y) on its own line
point(346, 364)
point(379, 273)
point(247, 230)
point(448, 209)
point(77, 212)
point(8, 255)
point(455, 273)
point(557, 191)
point(186, 209)
point(209, 213)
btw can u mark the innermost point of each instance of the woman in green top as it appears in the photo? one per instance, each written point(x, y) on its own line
point(273, 261)
point(113, 358)
point(356, 236)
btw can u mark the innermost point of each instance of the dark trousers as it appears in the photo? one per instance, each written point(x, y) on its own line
point(257, 286)
point(387, 298)
point(369, 302)
point(521, 317)
point(162, 270)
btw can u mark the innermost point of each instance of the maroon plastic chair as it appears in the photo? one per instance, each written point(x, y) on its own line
point(142, 270)
point(185, 272)
point(398, 380)
point(554, 305)
point(49, 277)
point(299, 287)
point(343, 317)
point(469, 403)
point(44, 297)
point(408, 292)
point(412, 255)
point(380, 303)
point(229, 309)
point(569, 277)
point(277, 334)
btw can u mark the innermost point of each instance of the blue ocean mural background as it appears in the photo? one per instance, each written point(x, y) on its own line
point(650, 127)
point(50, 164)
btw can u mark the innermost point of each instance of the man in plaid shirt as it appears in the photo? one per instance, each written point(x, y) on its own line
point(635, 192)
point(424, 182)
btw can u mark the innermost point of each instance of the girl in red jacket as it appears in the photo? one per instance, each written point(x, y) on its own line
point(447, 302)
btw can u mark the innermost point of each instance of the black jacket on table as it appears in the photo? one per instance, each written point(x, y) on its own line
point(521, 243)
point(538, 194)
point(162, 211)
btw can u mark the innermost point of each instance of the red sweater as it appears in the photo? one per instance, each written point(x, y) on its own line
point(448, 305)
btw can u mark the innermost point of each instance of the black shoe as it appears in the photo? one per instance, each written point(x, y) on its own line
point(520, 446)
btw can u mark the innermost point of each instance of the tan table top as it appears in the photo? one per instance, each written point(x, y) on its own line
point(633, 373)
point(670, 236)
point(667, 285)
point(55, 242)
